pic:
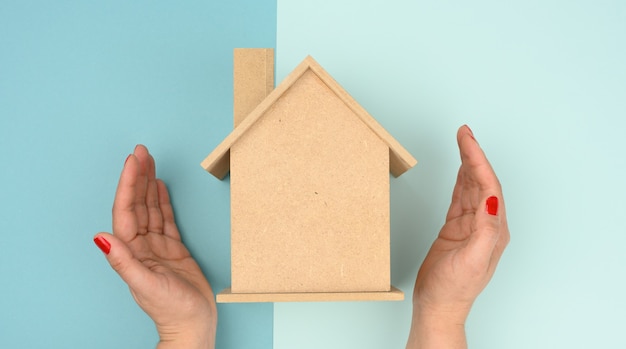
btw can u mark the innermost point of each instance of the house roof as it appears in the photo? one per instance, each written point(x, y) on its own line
point(218, 162)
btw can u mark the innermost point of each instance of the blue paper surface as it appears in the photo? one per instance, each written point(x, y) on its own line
point(80, 84)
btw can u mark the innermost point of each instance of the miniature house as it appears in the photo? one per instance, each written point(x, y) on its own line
point(309, 175)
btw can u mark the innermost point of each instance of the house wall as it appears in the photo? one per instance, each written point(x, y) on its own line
point(310, 198)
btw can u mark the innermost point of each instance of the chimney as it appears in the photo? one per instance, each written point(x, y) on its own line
point(253, 79)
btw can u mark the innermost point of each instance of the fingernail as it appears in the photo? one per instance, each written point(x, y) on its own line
point(103, 244)
point(128, 157)
point(492, 205)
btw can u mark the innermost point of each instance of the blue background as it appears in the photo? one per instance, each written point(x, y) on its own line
point(81, 83)
point(542, 83)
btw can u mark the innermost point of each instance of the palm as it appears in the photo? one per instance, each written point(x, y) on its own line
point(444, 270)
point(176, 279)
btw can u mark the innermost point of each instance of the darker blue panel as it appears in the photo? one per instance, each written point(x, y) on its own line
point(81, 83)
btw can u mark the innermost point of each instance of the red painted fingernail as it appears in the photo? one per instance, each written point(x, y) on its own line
point(492, 205)
point(103, 244)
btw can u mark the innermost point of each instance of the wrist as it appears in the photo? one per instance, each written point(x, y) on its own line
point(441, 327)
point(191, 341)
point(188, 337)
point(443, 314)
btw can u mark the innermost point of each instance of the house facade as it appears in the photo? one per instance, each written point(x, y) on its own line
point(309, 173)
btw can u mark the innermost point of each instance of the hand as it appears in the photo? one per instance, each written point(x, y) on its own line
point(464, 256)
point(146, 251)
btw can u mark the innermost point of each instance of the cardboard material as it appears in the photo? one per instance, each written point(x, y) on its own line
point(400, 160)
point(253, 79)
point(227, 296)
point(309, 190)
point(309, 198)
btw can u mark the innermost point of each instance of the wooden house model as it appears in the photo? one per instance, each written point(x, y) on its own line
point(309, 175)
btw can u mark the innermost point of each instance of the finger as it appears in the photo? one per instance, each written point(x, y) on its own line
point(476, 168)
point(124, 214)
point(486, 234)
point(141, 189)
point(155, 218)
point(504, 237)
point(456, 209)
point(169, 223)
point(132, 271)
point(470, 154)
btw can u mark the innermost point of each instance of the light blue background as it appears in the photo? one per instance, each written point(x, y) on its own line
point(80, 84)
point(543, 85)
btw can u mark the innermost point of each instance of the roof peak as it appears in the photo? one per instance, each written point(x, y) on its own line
point(218, 162)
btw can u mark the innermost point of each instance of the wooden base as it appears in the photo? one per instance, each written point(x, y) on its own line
point(227, 296)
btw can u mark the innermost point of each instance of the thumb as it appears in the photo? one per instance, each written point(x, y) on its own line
point(121, 259)
point(486, 231)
